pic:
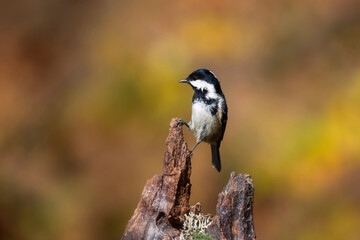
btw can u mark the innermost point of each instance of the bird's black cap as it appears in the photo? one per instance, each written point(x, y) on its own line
point(202, 74)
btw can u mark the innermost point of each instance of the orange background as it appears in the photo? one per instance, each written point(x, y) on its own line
point(88, 89)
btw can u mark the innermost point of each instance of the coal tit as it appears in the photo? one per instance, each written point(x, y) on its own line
point(209, 112)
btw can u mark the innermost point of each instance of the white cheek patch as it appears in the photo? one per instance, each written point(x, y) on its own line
point(203, 85)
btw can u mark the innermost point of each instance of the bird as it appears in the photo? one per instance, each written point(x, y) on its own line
point(209, 112)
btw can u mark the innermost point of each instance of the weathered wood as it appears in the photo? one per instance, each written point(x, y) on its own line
point(165, 199)
point(234, 210)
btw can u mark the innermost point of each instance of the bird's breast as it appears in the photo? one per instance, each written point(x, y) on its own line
point(204, 123)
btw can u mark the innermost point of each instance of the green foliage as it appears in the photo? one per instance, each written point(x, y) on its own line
point(202, 236)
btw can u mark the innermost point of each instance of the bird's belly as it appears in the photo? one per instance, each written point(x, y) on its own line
point(204, 125)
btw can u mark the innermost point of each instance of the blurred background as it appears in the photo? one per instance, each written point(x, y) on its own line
point(88, 89)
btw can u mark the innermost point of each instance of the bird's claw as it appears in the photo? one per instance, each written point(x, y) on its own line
point(191, 154)
point(182, 122)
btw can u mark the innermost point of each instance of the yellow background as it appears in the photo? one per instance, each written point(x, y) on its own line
point(88, 88)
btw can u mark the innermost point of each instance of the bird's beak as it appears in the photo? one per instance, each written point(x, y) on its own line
point(183, 81)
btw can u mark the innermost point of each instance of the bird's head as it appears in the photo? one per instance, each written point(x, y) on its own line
point(203, 80)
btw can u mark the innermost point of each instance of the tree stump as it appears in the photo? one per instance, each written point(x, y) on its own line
point(165, 199)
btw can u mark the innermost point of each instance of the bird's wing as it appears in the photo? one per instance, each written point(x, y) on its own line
point(223, 117)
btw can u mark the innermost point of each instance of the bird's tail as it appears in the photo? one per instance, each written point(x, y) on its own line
point(216, 156)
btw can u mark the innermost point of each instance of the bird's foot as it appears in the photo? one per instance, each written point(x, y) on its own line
point(182, 122)
point(191, 154)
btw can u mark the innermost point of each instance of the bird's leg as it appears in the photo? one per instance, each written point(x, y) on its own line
point(182, 122)
point(194, 147)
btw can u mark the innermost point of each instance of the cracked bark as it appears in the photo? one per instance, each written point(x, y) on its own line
point(165, 199)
